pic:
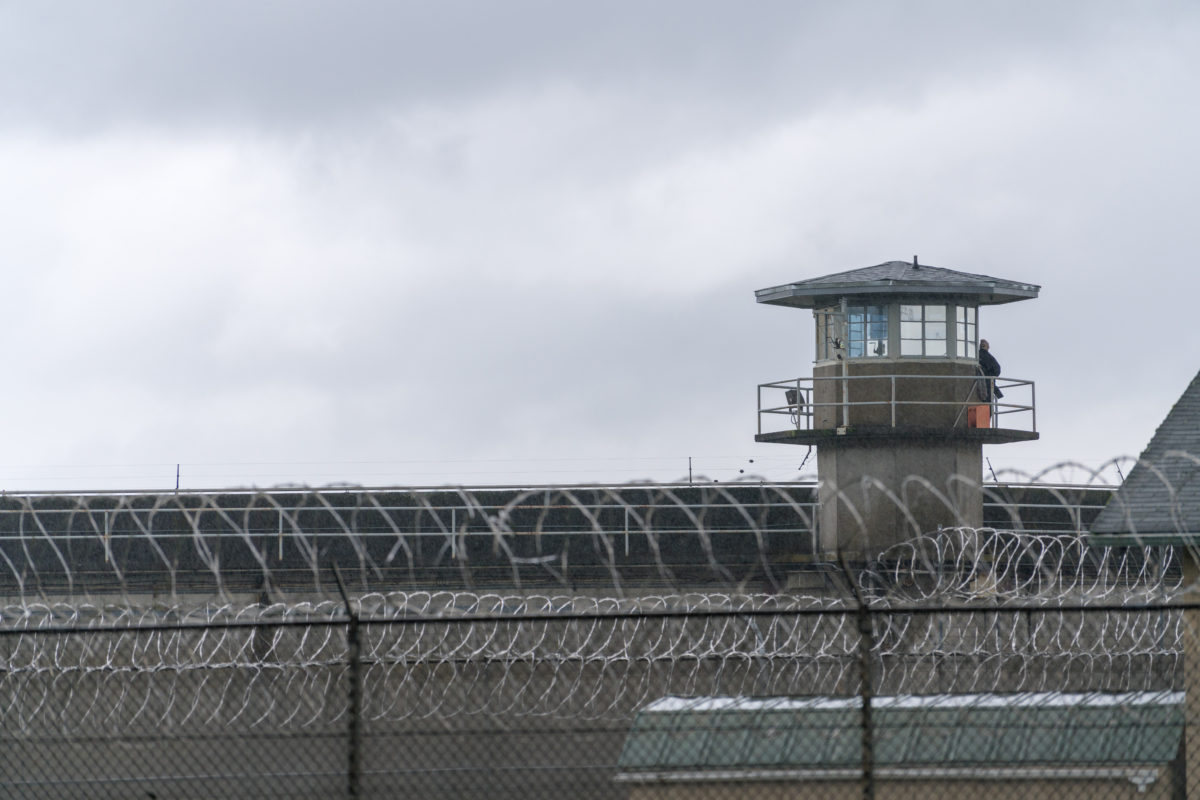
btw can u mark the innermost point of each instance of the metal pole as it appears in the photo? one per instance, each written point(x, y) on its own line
point(354, 675)
point(866, 639)
point(866, 642)
point(845, 364)
point(801, 406)
point(893, 401)
point(1033, 404)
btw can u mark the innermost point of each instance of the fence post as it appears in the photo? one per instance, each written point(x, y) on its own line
point(866, 643)
point(354, 675)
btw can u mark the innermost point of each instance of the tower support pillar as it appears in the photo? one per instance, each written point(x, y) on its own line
point(874, 495)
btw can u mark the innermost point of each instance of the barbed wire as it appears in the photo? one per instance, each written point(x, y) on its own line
point(568, 656)
point(543, 601)
point(56, 547)
point(280, 544)
point(970, 565)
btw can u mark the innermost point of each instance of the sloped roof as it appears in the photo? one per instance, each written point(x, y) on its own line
point(897, 278)
point(1159, 503)
point(947, 731)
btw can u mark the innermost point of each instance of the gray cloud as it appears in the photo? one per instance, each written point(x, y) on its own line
point(418, 240)
point(285, 64)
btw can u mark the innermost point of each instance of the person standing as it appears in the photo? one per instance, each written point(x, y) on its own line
point(990, 368)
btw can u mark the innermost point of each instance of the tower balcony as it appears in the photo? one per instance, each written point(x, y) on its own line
point(887, 401)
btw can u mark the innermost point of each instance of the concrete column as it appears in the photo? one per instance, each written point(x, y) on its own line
point(876, 494)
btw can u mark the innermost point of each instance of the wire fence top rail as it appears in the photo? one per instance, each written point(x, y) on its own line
point(841, 606)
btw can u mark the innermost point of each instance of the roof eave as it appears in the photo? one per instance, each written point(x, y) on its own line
point(799, 295)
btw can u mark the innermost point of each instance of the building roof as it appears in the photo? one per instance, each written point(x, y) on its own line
point(739, 734)
point(1159, 503)
point(897, 278)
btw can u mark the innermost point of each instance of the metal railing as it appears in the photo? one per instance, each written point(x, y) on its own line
point(794, 399)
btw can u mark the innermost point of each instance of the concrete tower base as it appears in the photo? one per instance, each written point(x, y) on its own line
point(875, 494)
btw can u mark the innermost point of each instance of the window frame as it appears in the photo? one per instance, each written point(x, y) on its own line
point(872, 319)
point(958, 326)
point(966, 331)
point(926, 323)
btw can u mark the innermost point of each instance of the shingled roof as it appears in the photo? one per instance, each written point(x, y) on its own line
point(897, 278)
point(1159, 503)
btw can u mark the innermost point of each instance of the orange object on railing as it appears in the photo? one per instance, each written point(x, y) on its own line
point(979, 416)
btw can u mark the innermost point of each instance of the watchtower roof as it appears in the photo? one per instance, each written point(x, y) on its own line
point(893, 278)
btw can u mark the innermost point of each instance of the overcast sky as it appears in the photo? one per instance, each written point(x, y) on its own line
point(507, 242)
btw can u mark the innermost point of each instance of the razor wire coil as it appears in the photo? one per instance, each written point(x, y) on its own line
point(546, 642)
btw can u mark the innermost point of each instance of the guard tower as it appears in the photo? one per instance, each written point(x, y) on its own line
point(897, 405)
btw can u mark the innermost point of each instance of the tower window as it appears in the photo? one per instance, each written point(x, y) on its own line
point(829, 333)
point(867, 328)
point(923, 330)
point(965, 331)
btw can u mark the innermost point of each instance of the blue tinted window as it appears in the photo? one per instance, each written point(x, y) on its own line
point(867, 331)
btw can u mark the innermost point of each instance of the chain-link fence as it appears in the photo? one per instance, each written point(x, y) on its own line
point(642, 642)
point(687, 700)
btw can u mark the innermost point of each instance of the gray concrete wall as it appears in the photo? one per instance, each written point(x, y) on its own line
point(935, 402)
point(936, 483)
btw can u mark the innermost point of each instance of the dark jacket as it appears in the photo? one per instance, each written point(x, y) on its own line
point(990, 367)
